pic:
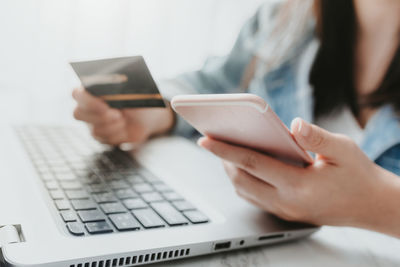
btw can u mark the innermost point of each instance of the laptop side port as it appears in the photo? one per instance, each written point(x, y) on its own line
point(269, 237)
point(10, 234)
point(222, 245)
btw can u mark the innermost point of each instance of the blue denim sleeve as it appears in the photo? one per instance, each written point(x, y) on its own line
point(222, 74)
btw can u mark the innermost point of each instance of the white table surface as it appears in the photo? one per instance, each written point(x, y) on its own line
point(330, 247)
point(35, 86)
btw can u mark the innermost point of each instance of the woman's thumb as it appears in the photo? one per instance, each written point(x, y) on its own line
point(315, 139)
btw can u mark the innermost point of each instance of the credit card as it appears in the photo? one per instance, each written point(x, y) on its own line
point(123, 82)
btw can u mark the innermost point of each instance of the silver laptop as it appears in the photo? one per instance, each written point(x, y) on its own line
point(66, 200)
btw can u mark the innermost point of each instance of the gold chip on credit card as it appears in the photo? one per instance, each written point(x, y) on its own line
point(123, 82)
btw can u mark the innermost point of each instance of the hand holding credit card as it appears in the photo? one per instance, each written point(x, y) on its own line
point(123, 82)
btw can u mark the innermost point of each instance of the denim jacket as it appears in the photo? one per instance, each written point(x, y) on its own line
point(277, 86)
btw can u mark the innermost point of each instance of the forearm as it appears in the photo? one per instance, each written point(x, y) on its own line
point(165, 122)
point(169, 89)
point(382, 210)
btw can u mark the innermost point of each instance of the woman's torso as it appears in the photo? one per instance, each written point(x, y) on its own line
point(288, 92)
point(281, 77)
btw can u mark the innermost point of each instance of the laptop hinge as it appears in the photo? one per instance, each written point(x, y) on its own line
point(9, 234)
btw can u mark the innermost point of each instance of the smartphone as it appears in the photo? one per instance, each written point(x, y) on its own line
point(241, 119)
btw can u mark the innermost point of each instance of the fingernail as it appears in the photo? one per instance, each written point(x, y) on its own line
point(295, 126)
point(74, 92)
point(301, 127)
point(304, 128)
point(201, 142)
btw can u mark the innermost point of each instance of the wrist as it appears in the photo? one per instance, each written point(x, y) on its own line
point(166, 121)
point(382, 212)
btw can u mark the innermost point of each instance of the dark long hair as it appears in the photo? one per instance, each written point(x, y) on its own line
point(332, 74)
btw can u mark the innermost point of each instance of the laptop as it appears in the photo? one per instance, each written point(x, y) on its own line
point(66, 200)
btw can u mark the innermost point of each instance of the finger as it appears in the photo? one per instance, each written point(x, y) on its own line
point(261, 166)
point(114, 140)
point(98, 138)
point(88, 102)
point(236, 174)
point(315, 139)
point(251, 188)
point(117, 139)
point(109, 116)
point(109, 130)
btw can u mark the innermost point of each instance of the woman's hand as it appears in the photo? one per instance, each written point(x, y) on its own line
point(114, 126)
point(342, 186)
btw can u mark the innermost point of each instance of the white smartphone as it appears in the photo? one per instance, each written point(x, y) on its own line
point(241, 119)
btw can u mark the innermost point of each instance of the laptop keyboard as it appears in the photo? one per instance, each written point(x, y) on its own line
point(97, 189)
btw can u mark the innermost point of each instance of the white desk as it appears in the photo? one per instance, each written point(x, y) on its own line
point(330, 247)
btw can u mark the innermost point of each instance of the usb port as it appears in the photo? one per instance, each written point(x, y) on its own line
point(268, 237)
point(224, 245)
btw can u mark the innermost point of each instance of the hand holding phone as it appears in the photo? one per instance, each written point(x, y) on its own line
point(241, 119)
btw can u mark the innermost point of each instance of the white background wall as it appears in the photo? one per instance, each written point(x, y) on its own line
point(39, 38)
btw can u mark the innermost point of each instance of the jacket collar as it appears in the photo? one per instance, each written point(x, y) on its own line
point(381, 133)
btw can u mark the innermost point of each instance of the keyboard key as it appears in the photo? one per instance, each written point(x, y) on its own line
point(79, 166)
point(124, 222)
point(62, 204)
point(111, 176)
point(125, 193)
point(65, 176)
point(61, 169)
point(82, 172)
point(171, 196)
point(148, 218)
point(47, 176)
point(127, 173)
point(161, 187)
point(104, 197)
point(142, 188)
point(152, 197)
point(110, 208)
point(134, 203)
point(118, 184)
point(108, 164)
point(169, 213)
point(66, 185)
point(51, 185)
point(42, 166)
point(83, 204)
point(91, 215)
point(183, 205)
point(56, 194)
point(68, 215)
point(151, 178)
point(76, 194)
point(55, 160)
point(135, 179)
point(91, 179)
point(196, 216)
point(75, 228)
point(98, 227)
point(98, 188)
